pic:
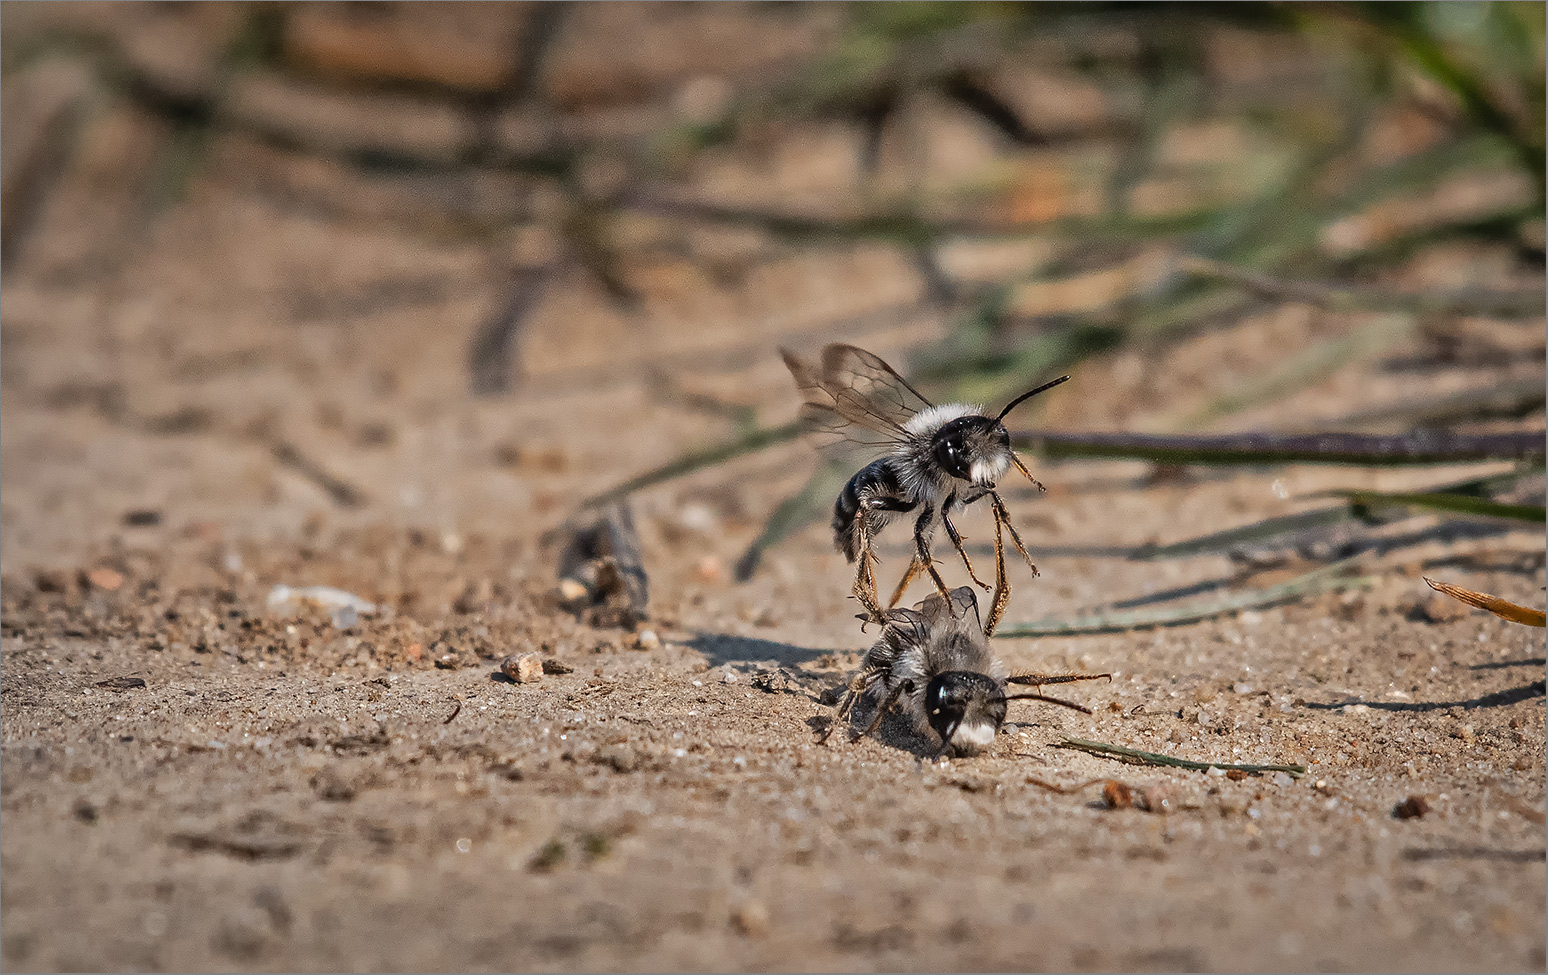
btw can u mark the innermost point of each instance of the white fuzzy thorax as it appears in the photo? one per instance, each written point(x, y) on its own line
point(931, 419)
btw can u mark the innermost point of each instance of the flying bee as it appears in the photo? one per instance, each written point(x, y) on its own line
point(935, 660)
point(937, 459)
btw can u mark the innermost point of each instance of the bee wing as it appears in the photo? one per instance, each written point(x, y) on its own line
point(961, 612)
point(906, 621)
point(853, 397)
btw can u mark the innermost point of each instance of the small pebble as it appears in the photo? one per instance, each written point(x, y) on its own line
point(552, 666)
point(524, 669)
point(572, 591)
point(710, 569)
point(647, 640)
point(105, 578)
point(751, 919)
point(729, 677)
point(1411, 808)
point(1117, 795)
point(1282, 779)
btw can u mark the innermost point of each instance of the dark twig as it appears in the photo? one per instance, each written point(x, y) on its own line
point(490, 357)
point(1442, 501)
point(1417, 447)
point(748, 443)
point(1135, 756)
point(1341, 297)
point(344, 494)
point(793, 514)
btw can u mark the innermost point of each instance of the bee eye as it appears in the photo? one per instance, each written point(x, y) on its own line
point(949, 452)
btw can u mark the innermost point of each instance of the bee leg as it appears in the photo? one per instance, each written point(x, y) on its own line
point(913, 570)
point(922, 548)
point(1023, 469)
point(865, 579)
point(846, 706)
point(882, 709)
point(1001, 587)
point(956, 540)
point(1004, 516)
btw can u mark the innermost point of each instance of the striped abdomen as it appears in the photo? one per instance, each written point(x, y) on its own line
point(878, 488)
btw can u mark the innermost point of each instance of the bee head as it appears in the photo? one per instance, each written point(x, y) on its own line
point(965, 709)
point(974, 448)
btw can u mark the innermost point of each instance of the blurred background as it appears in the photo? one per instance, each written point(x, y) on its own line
point(451, 262)
point(375, 296)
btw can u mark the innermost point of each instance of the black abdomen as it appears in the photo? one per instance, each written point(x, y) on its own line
point(874, 481)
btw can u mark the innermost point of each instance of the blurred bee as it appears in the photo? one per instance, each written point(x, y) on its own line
point(935, 660)
point(938, 459)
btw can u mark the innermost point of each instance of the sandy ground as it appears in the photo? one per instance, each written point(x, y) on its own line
point(283, 794)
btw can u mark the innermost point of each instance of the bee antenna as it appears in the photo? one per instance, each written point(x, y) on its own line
point(1051, 700)
point(1029, 394)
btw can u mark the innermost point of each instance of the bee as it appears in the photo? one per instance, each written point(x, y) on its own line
point(936, 459)
point(935, 660)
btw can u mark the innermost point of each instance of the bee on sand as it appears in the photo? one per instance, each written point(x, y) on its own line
point(935, 660)
point(936, 459)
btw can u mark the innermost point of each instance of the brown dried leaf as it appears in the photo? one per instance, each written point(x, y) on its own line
point(1494, 604)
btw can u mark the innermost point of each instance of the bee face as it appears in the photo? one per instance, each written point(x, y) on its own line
point(973, 448)
point(966, 709)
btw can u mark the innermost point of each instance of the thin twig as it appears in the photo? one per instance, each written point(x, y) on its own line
point(1342, 297)
point(1324, 579)
point(1064, 790)
point(793, 514)
point(1464, 504)
point(1374, 450)
point(344, 494)
point(748, 443)
point(1308, 367)
point(1255, 532)
point(1154, 758)
point(1472, 488)
point(492, 361)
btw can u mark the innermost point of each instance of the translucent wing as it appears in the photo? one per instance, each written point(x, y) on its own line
point(904, 630)
point(962, 612)
point(853, 398)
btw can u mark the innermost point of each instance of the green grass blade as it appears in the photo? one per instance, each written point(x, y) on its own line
point(1324, 579)
point(1156, 758)
point(749, 443)
point(1463, 504)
